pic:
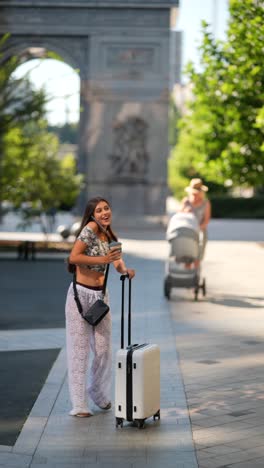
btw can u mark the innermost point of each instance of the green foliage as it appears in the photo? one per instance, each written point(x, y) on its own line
point(180, 171)
point(174, 116)
point(221, 135)
point(30, 170)
point(33, 173)
point(237, 207)
point(19, 102)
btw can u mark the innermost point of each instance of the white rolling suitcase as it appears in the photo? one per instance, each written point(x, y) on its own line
point(137, 376)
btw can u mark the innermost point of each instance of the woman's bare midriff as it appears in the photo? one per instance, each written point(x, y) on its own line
point(89, 277)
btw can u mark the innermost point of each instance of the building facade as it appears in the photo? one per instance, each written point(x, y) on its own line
point(122, 49)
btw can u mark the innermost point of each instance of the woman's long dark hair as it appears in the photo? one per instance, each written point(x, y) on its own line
point(89, 213)
point(87, 217)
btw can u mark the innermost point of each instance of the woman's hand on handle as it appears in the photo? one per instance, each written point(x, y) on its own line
point(131, 273)
point(123, 270)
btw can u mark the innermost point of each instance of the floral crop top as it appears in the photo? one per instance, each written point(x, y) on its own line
point(95, 247)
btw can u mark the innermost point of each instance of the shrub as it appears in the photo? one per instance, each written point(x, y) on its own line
point(237, 207)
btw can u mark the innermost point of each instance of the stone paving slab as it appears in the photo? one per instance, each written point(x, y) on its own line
point(20, 340)
point(35, 424)
point(53, 439)
point(15, 459)
point(221, 348)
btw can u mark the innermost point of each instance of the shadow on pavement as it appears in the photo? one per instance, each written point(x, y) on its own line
point(23, 374)
point(32, 294)
point(238, 301)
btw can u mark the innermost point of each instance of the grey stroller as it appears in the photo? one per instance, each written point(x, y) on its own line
point(183, 268)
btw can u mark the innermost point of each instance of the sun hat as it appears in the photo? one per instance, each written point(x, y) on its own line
point(196, 185)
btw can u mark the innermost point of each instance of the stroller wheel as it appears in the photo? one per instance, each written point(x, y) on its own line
point(204, 287)
point(167, 288)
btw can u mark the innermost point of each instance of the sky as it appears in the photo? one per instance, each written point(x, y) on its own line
point(62, 83)
point(191, 14)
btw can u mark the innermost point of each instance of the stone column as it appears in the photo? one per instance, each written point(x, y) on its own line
point(127, 131)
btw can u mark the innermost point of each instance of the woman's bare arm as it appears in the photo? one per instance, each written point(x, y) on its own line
point(120, 266)
point(78, 256)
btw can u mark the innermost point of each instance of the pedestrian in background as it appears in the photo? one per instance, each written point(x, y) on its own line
point(89, 256)
point(200, 207)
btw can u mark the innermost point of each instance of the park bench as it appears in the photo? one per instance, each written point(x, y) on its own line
point(27, 244)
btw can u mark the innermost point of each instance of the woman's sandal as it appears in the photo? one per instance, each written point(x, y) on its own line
point(83, 415)
point(107, 407)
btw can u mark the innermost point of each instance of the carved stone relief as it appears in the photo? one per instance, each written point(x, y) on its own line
point(129, 158)
point(125, 56)
point(131, 59)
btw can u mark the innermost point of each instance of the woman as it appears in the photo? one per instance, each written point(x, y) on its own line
point(91, 254)
point(200, 206)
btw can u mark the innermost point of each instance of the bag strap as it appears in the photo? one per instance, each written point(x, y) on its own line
point(105, 279)
point(76, 296)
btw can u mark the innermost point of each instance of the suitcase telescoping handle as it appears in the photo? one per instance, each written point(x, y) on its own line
point(123, 279)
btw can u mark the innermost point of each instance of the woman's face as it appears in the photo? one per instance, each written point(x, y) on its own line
point(197, 197)
point(103, 213)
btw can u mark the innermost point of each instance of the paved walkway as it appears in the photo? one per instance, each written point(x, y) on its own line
point(52, 438)
point(221, 348)
point(211, 358)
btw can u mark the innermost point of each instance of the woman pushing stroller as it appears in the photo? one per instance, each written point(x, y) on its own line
point(200, 207)
point(187, 235)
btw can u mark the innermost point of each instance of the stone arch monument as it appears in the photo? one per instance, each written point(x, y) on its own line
point(122, 50)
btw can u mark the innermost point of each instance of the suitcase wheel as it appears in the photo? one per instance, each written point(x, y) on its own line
point(156, 415)
point(119, 422)
point(140, 423)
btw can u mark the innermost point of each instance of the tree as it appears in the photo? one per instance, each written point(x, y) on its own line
point(221, 135)
point(174, 116)
point(30, 170)
point(19, 102)
point(33, 172)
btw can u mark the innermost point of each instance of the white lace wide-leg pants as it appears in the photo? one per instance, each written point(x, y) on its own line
point(81, 338)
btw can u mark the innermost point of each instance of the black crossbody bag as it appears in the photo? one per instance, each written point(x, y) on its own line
point(98, 310)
